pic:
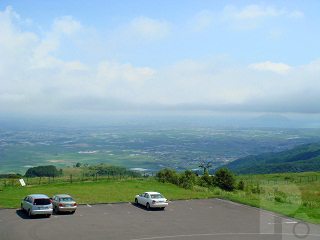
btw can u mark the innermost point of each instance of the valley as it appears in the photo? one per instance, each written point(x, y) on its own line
point(145, 145)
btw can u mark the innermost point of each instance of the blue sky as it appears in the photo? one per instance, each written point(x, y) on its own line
point(109, 56)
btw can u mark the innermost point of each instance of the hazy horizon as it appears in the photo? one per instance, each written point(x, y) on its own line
point(203, 119)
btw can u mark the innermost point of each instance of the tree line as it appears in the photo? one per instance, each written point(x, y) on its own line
point(11, 175)
point(44, 171)
point(102, 169)
point(223, 179)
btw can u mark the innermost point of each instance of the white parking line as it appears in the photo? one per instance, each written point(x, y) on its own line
point(282, 223)
point(88, 205)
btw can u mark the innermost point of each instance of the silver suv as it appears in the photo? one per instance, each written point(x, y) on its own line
point(36, 204)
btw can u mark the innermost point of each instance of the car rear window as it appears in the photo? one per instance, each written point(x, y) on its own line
point(157, 196)
point(66, 199)
point(42, 201)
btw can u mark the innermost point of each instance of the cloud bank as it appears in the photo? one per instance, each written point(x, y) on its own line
point(34, 76)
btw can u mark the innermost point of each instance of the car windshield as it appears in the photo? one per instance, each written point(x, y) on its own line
point(156, 196)
point(66, 199)
point(42, 201)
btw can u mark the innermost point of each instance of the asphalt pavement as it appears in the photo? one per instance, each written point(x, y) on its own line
point(188, 219)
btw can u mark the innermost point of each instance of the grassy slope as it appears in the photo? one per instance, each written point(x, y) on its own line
point(300, 191)
point(98, 192)
point(309, 214)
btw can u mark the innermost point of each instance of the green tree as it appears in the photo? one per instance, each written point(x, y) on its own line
point(241, 184)
point(167, 175)
point(42, 171)
point(104, 169)
point(187, 179)
point(206, 180)
point(78, 164)
point(224, 179)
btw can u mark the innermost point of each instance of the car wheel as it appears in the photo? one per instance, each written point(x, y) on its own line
point(22, 207)
point(73, 212)
point(148, 206)
point(162, 208)
point(29, 214)
point(55, 210)
point(136, 201)
point(48, 215)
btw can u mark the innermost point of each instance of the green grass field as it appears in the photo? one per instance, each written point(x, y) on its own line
point(99, 191)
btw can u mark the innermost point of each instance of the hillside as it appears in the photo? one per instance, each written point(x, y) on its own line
point(271, 118)
point(302, 158)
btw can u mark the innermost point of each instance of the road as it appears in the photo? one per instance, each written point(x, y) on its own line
point(193, 219)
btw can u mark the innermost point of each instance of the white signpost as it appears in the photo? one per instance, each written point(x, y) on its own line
point(22, 182)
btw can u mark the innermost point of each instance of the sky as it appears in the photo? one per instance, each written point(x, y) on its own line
point(79, 56)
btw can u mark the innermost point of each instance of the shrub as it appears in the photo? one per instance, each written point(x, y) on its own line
point(241, 185)
point(187, 179)
point(224, 179)
point(206, 180)
point(200, 189)
point(168, 176)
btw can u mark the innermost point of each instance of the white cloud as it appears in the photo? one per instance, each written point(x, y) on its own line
point(34, 78)
point(66, 25)
point(75, 66)
point(202, 20)
point(257, 11)
point(14, 43)
point(280, 68)
point(9, 14)
point(62, 26)
point(313, 66)
point(144, 28)
point(111, 72)
point(251, 16)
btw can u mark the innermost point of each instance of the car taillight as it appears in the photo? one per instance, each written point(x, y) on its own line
point(34, 202)
point(50, 201)
point(60, 205)
point(154, 201)
point(75, 204)
point(167, 200)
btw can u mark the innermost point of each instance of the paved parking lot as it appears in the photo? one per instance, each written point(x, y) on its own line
point(193, 219)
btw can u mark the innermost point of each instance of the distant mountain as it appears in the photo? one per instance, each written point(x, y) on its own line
point(302, 158)
point(271, 118)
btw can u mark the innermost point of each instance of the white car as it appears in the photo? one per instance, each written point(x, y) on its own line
point(35, 204)
point(151, 200)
